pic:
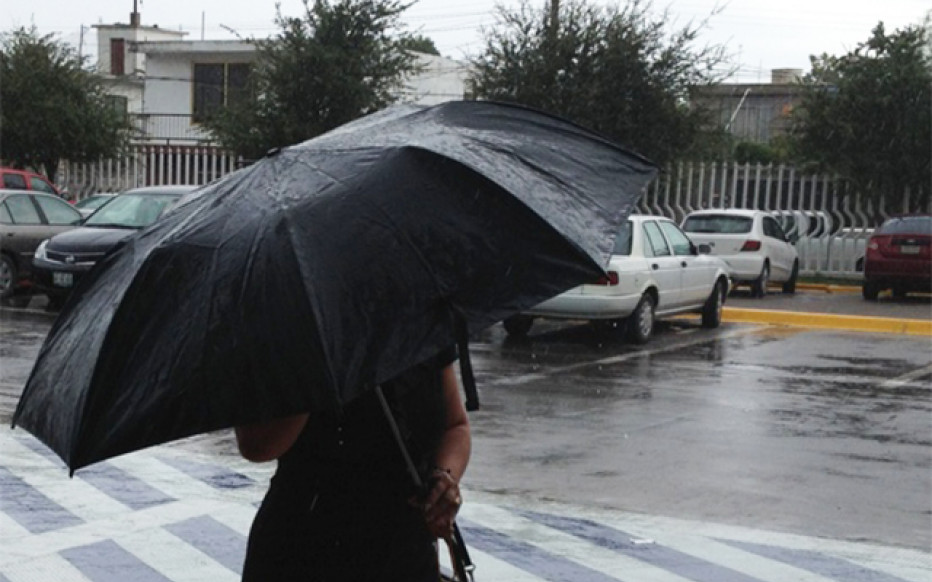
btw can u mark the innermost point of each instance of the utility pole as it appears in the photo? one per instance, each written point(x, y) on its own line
point(554, 26)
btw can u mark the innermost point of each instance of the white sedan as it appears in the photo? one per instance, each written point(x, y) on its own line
point(654, 271)
point(753, 244)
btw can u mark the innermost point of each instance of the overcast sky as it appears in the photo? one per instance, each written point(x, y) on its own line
point(760, 34)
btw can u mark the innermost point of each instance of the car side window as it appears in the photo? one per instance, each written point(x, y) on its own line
point(5, 217)
point(680, 242)
point(772, 229)
point(656, 245)
point(22, 210)
point(14, 181)
point(58, 211)
point(40, 185)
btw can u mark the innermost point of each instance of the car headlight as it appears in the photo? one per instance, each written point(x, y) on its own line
point(40, 251)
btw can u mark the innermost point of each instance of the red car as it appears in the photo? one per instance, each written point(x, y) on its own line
point(899, 257)
point(13, 179)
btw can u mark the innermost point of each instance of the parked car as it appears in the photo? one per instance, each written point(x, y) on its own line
point(751, 242)
point(26, 219)
point(654, 271)
point(899, 257)
point(14, 179)
point(87, 205)
point(63, 259)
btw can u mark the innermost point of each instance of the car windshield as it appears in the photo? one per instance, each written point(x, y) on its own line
point(718, 223)
point(132, 210)
point(908, 225)
point(623, 240)
point(92, 202)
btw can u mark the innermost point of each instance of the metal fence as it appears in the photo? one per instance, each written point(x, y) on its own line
point(148, 165)
point(830, 222)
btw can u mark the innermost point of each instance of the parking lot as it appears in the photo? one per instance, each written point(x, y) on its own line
point(750, 452)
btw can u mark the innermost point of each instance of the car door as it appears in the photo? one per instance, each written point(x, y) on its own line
point(782, 254)
point(695, 273)
point(664, 266)
point(25, 229)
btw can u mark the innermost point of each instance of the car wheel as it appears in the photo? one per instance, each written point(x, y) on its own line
point(870, 290)
point(759, 285)
point(641, 322)
point(518, 325)
point(712, 310)
point(899, 292)
point(790, 286)
point(7, 276)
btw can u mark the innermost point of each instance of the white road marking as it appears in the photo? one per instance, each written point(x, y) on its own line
point(908, 378)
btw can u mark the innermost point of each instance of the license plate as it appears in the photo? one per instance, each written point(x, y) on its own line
point(909, 249)
point(62, 279)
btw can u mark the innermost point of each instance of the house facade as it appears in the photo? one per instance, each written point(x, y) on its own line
point(168, 85)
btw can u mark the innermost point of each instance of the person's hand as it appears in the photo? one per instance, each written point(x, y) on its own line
point(442, 503)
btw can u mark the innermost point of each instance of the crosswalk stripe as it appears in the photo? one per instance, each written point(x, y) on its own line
point(755, 566)
point(534, 535)
point(829, 566)
point(76, 496)
point(32, 509)
point(106, 561)
point(214, 539)
point(175, 483)
point(699, 570)
point(175, 558)
point(43, 569)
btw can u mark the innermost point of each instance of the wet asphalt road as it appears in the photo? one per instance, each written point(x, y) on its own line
point(811, 432)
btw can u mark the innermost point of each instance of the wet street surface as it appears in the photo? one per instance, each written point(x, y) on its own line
point(705, 455)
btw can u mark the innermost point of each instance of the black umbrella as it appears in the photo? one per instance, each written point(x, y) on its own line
point(327, 267)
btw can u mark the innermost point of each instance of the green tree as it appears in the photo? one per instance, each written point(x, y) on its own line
point(339, 61)
point(421, 44)
point(51, 107)
point(619, 71)
point(867, 115)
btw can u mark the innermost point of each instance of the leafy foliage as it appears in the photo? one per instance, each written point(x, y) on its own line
point(421, 44)
point(619, 71)
point(338, 62)
point(867, 115)
point(53, 108)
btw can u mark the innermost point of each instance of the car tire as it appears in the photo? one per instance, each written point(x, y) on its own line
point(518, 325)
point(759, 285)
point(870, 290)
point(790, 286)
point(7, 276)
point(641, 321)
point(712, 310)
point(899, 292)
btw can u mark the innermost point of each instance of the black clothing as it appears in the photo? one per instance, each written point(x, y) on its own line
point(337, 508)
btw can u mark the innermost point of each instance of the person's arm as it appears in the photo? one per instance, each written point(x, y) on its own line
point(267, 441)
point(451, 458)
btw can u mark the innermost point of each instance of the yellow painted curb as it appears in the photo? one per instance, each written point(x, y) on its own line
point(829, 321)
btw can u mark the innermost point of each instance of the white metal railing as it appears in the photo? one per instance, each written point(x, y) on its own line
point(831, 223)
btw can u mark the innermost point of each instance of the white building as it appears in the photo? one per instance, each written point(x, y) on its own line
point(168, 84)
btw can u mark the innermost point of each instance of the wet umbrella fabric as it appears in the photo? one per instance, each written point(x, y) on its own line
point(330, 266)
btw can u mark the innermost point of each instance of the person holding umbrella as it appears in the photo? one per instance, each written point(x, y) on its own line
point(341, 505)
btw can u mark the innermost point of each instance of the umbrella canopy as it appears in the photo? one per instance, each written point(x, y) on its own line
point(326, 267)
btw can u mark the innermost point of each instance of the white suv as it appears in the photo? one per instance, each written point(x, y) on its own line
point(654, 271)
point(751, 242)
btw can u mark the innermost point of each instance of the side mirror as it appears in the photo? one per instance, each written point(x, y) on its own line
point(793, 238)
point(704, 249)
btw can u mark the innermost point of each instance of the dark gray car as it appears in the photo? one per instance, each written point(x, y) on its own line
point(26, 219)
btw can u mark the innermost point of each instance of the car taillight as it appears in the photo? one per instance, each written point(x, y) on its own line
point(609, 281)
point(751, 245)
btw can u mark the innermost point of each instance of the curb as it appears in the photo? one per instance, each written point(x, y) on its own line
point(918, 327)
point(828, 288)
